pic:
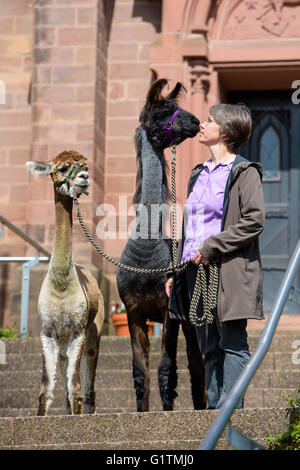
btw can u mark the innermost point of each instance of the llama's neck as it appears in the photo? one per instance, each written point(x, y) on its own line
point(152, 183)
point(61, 260)
point(149, 219)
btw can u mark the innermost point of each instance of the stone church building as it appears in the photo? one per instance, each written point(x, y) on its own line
point(74, 75)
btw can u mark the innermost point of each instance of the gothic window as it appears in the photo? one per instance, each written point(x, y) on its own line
point(269, 150)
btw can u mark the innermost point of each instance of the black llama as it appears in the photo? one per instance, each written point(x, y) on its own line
point(162, 123)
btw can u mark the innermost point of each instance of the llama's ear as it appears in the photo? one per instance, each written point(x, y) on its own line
point(39, 168)
point(155, 92)
point(177, 92)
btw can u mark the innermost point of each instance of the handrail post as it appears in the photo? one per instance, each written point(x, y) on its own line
point(25, 295)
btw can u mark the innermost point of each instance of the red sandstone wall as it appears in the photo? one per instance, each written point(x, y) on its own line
point(65, 92)
point(135, 25)
point(16, 39)
point(53, 60)
point(63, 103)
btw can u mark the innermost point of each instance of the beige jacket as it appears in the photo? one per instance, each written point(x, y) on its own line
point(240, 293)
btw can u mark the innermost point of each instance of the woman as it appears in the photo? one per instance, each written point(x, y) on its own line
point(225, 210)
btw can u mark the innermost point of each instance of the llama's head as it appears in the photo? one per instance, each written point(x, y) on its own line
point(165, 122)
point(68, 170)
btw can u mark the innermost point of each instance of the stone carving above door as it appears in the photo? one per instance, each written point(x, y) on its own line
point(257, 19)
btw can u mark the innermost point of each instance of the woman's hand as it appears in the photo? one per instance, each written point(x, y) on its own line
point(199, 258)
point(168, 286)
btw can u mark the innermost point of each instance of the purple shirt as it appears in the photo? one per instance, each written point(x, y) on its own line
point(204, 207)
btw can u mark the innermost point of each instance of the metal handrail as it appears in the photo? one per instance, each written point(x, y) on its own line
point(243, 381)
point(28, 263)
point(25, 237)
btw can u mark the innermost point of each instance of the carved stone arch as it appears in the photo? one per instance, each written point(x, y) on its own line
point(198, 15)
point(225, 12)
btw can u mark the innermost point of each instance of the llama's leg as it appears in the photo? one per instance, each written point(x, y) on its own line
point(196, 367)
point(74, 353)
point(88, 369)
point(167, 371)
point(140, 360)
point(50, 355)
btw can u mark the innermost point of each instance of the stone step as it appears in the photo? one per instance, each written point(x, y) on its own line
point(123, 379)
point(108, 361)
point(125, 398)
point(282, 342)
point(182, 430)
point(117, 360)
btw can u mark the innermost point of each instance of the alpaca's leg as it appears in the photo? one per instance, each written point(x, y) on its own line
point(63, 359)
point(74, 353)
point(196, 367)
point(140, 360)
point(88, 369)
point(167, 371)
point(50, 355)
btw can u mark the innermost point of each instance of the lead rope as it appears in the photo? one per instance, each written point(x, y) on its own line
point(209, 292)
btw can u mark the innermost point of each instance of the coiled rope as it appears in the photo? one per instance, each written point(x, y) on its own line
point(208, 290)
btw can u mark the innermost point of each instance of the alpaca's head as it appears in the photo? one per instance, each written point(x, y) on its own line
point(68, 170)
point(158, 111)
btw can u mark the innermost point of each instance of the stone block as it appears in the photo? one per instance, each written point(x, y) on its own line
point(53, 94)
point(54, 133)
point(123, 146)
point(24, 24)
point(124, 108)
point(41, 113)
point(55, 16)
point(86, 55)
point(85, 132)
point(116, 90)
point(87, 15)
point(73, 112)
point(54, 55)
point(6, 25)
point(15, 213)
point(14, 8)
point(45, 36)
point(42, 74)
point(15, 119)
point(77, 36)
point(18, 193)
point(10, 64)
point(127, 70)
point(141, 32)
point(15, 44)
point(124, 127)
point(85, 94)
point(74, 74)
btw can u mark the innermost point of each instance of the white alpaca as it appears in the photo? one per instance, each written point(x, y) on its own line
point(70, 304)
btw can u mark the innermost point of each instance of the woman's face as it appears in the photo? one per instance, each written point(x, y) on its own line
point(209, 132)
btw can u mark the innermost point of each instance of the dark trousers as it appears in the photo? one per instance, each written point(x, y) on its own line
point(225, 350)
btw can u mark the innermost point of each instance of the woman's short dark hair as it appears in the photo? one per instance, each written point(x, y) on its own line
point(234, 121)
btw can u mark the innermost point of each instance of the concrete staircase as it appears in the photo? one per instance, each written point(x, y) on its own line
point(116, 425)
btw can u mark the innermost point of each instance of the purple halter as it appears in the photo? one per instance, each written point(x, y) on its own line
point(168, 127)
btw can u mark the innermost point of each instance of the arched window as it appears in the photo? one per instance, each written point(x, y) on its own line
point(269, 152)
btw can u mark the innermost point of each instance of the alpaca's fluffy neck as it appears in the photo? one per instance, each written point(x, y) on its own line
point(61, 260)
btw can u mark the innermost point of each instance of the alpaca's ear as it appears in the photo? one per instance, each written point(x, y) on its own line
point(155, 92)
point(39, 168)
point(177, 92)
